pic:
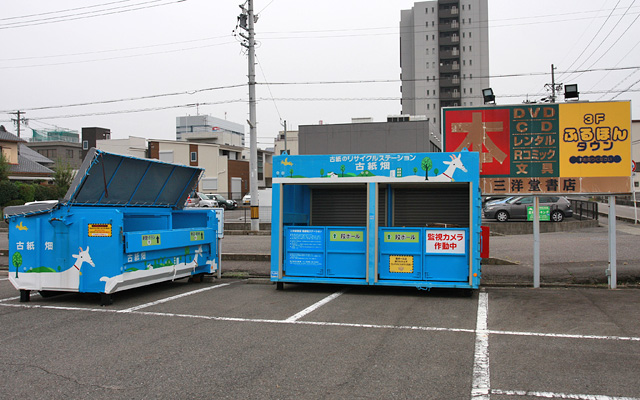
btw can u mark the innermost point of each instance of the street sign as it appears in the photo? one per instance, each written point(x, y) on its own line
point(544, 211)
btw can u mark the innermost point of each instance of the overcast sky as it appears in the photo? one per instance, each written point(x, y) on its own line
point(139, 63)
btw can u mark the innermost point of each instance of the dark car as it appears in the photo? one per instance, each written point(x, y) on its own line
point(516, 208)
point(224, 203)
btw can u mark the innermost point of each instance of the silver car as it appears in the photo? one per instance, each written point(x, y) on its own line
point(516, 208)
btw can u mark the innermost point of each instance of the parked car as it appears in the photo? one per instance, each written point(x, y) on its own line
point(516, 208)
point(246, 199)
point(207, 200)
point(224, 203)
point(192, 200)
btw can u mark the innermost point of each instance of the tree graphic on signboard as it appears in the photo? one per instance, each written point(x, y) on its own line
point(342, 168)
point(415, 170)
point(426, 165)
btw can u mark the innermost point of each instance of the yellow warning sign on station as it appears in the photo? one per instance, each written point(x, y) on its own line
point(401, 264)
point(99, 230)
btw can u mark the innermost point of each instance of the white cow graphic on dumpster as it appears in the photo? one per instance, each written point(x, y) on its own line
point(68, 279)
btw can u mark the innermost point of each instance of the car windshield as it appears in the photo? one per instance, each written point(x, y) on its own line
point(218, 197)
point(208, 196)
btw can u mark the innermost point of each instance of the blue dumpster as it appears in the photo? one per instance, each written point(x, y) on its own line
point(121, 225)
point(410, 219)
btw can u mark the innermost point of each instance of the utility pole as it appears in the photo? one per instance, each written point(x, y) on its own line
point(285, 135)
point(19, 119)
point(246, 21)
point(553, 85)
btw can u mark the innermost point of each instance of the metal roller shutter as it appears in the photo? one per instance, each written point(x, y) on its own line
point(339, 206)
point(417, 207)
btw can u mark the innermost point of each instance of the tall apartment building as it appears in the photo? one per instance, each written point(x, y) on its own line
point(444, 56)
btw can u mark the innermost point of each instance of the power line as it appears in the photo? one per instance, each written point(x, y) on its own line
point(297, 99)
point(605, 38)
point(362, 81)
point(116, 57)
point(115, 50)
point(54, 20)
point(66, 10)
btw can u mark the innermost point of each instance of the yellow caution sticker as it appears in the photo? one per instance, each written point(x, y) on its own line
point(99, 230)
point(401, 264)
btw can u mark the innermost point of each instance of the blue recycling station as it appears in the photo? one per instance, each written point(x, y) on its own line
point(405, 219)
point(121, 225)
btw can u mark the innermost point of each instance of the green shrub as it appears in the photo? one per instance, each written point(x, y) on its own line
point(27, 192)
point(16, 202)
point(8, 191)
point(46, 192)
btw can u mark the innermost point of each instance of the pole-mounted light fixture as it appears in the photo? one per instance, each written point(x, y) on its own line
point(488, 96)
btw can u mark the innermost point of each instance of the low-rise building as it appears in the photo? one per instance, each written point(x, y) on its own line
point(22, 167)
point(222, 175)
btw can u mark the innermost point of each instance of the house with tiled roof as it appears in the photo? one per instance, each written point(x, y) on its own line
point(24, 165)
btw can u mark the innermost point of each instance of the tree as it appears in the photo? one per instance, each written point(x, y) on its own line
point(321, 172)
point(4, 168)
point(426, 165)
point(62, 177)
point(415, 170)
point(342, 168)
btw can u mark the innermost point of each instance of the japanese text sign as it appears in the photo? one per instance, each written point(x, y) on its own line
point(449, 241)
point(565, 148)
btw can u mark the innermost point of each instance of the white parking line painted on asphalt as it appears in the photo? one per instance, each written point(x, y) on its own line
point(552, 395)
point(567, 336)
point(315, 306)
point(153, 303)
point(4, 279)
point(481, 379)
point(9, 299)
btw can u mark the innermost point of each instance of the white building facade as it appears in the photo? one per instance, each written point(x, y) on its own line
point(444, 56)
point(208, 129)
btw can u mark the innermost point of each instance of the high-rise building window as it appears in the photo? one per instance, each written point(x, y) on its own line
point(427, 51)
point(470, 62)
point(470, 90)
point(470, 48)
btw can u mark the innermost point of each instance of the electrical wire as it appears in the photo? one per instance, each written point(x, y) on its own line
point(605, 38)
point(363, 81)
point(61, 11)
point(46, 21)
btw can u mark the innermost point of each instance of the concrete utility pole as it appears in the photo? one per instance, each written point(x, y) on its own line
point(285, 135)
point(553, 85)
point(246, 21)
point(19, 119)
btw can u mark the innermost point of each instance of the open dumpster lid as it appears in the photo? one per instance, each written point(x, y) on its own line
point(107, 179)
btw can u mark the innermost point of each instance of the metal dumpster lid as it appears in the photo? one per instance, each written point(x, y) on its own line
point(107, 179)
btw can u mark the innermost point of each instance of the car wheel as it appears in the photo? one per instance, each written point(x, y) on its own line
point(224, 206)
point(557, 216)
point(502, 216)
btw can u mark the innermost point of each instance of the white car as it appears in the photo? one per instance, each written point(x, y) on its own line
point(207, 200)
point(246, 199)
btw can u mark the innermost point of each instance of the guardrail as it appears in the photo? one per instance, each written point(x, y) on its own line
point(584, 209)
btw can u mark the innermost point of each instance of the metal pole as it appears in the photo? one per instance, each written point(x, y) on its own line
point(612, 271)
point(635, 207)
point(253, 135)
point(285, 136)
point(536, 242)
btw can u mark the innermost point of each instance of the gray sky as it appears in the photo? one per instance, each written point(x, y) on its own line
point(187, 48)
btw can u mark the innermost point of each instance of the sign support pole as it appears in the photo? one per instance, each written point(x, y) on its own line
point(536, 242)
point(612, 271)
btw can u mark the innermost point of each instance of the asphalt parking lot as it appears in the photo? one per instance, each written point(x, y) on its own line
point(231, 339)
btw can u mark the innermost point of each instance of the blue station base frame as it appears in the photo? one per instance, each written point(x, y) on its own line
point(386, 225)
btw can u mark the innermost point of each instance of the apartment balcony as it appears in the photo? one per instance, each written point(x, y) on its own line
point(452, 12)
point(453, 26)
point(449, 54)
point(449, 83)
point(449, 68)
point(447, 2)
point(449, 96)
point(449, 40)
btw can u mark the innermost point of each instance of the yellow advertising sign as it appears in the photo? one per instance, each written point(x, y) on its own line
point(595, 139)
